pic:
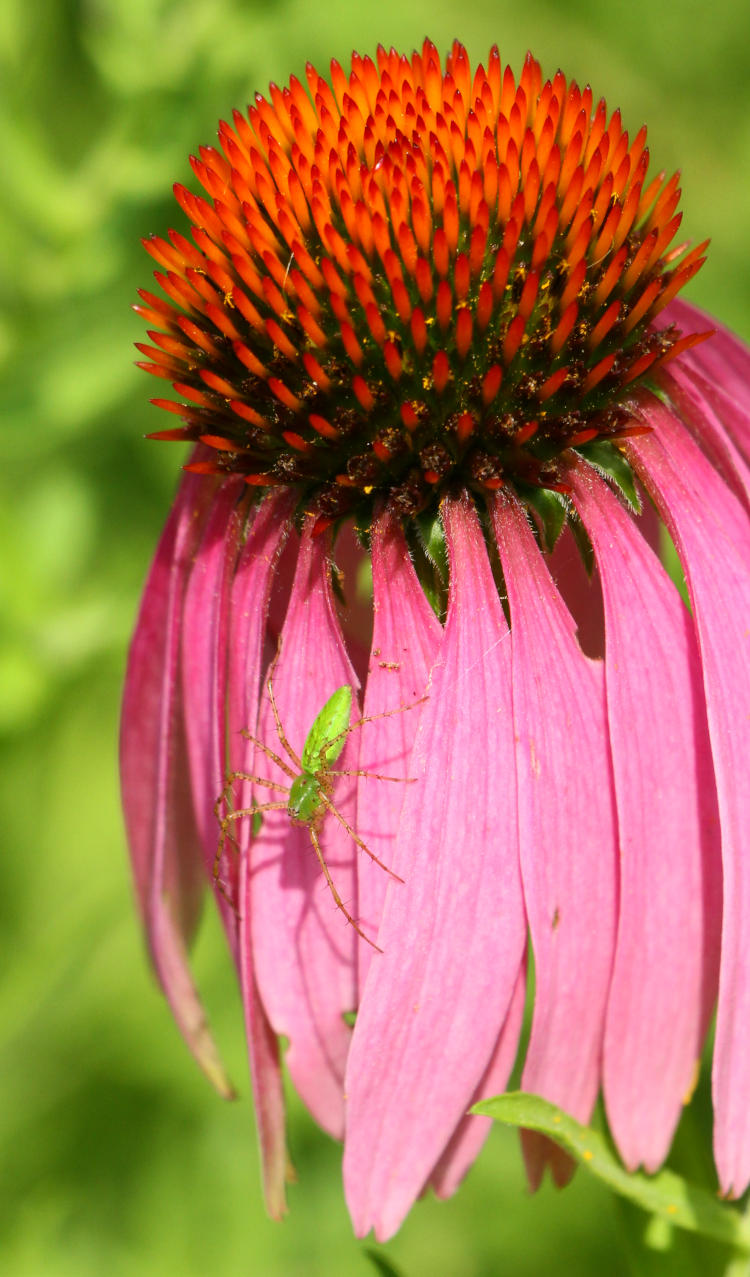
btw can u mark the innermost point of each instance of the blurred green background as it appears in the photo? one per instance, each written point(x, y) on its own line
point(114, 1154)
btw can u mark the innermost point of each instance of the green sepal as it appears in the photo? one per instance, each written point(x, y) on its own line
point(655, 389)
point(551, 509)
point(665, 1194)
point(337, 583)
point(430, 557)
point(432, 536)
point(610, 462)
point(585, 548)
point(363, 528)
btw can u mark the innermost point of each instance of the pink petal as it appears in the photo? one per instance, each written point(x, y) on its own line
point(663, 984)
point(164, 842)
point(255, 574)
point(567, 834)
point(582, 593)
point(265, 1068)
point(719, 425)
point(204, 670)
point(405, 641)
point(303, 949)
point(250, 596)
point(723, 358)
point(470, 1134)
point(712, 535)
point(453, 933)
point(355, 613)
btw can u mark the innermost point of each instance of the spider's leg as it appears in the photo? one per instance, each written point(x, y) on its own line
point(226, 836)
point(356, 771)
point(280, 732)
point(355, 837)
point(372, 718)
point(240, 814)
point(388, 713)
point(226, 792)
point(251, 780)
point(269, 753)
point(339, 902)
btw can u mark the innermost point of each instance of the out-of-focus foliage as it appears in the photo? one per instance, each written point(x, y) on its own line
point(114, 1156)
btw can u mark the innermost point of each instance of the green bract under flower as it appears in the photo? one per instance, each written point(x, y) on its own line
point(412, 278)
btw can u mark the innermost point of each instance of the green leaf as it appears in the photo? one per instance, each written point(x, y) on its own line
point(665, 1194)
point(610, 462)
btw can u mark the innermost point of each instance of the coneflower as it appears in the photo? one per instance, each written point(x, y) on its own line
point(437, 308)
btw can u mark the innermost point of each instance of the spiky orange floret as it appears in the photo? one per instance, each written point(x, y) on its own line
point(413, 275)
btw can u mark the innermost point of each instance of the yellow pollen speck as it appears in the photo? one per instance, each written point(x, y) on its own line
point(671, 1209)
point(588, 1156)
point(368, 488)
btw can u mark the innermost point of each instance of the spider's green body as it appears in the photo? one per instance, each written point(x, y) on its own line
point(323, 745)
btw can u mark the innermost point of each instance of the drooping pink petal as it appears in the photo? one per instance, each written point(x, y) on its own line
point(159, 815)
point(663, 984)
point(249, 607)
point(203, 659)
point(466, 1142)
point(405, 641)
point(720, 426)
point(303, 949)
point(256, 569)
point(712, 534)
point(723, 358)
point(582, 593)
point(355, 605)
point(265, 1067)
point(567, 834)
point(453, 933)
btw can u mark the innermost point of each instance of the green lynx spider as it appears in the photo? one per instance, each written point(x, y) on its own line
point(312, 777)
